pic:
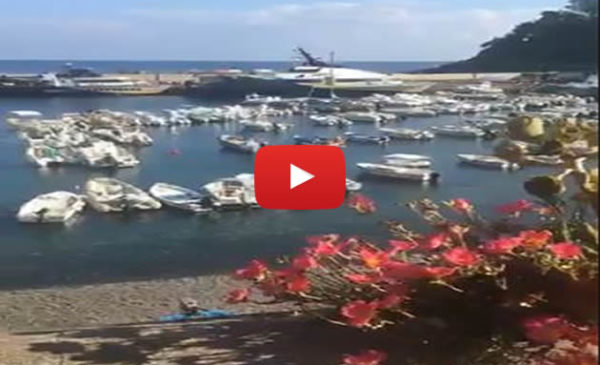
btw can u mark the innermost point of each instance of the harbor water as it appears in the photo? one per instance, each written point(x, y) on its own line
point(117, 247)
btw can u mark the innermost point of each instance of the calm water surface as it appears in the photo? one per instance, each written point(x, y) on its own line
point(117, 247)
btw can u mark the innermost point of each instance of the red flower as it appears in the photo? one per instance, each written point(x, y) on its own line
point(368, 357)
point(502, 245)
point(399, 246)
point(373, 258)
point(359, 313)
point(370, 278)
point(438, 272)
point(255, 270)
point(304, 262)
point(535, 239)
point(461, 205)
point(396, 270)
point(362, 204)
point(460, 256)
point(546, 329)
point(325, 245)
point(566, 250)
point(238, 296)
point(515, 208)
point(298, 284)
point(434, 241)
point(389, 301)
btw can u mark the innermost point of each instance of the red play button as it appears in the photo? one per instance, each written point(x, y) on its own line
point(300, 177)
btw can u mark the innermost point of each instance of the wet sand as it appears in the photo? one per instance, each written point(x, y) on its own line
point(116, 303)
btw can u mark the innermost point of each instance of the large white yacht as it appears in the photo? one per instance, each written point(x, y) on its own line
point(314, 70)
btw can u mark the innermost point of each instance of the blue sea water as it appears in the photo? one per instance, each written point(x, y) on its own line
point(39, 66)
point(165, 243)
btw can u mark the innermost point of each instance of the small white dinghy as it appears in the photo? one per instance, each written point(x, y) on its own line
point(397, 172)
point(181, 198)
point(458, 131)
point(240, 144)
point(487, 161)
point(352, 185)
point(407, 134)
point(257, 125)
point(111, 195)
point(56, 207)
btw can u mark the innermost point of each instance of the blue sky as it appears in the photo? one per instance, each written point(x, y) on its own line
point(403, 30)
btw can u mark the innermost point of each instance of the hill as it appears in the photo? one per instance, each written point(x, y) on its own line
point(565, 40)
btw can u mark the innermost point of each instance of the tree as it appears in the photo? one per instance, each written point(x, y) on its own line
point(586, 6)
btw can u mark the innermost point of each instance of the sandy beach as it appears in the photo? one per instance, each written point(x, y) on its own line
point(116, 303)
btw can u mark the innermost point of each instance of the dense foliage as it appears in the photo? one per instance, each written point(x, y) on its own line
point(557, 41)
point(529, 276)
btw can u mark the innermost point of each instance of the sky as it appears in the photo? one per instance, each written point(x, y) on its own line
point(357, 30)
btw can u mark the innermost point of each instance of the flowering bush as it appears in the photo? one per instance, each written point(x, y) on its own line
point(522, 267)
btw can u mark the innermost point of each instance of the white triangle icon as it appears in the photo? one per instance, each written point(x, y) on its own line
point(298, 176)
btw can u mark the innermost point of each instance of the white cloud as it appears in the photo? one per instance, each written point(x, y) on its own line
point(399, 30)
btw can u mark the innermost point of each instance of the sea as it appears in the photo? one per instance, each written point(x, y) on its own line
point(100, 248)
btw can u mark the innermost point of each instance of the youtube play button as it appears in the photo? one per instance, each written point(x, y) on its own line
point(300, 177)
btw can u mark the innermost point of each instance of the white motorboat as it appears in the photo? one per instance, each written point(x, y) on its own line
point(106, 154)
point(181, 198)
point(407, 156)
point(229, 193)
point(111, 195)
point(240, 144)
point(458, 131)
point(487, 161)
point(250, 195)
point(56, 207)
point(363, 117)
point(397, 172)
point(407, 134)
point(44, 156)
point(257, 125)
point(365, 139)
point(22, 118)
point(330, 121)
point(352, 185)
point(256, 99)
point(410, 112)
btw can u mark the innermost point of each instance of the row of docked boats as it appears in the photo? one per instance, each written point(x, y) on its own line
point(109, 195)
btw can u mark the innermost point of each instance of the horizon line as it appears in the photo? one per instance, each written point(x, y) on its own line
point(190, 60)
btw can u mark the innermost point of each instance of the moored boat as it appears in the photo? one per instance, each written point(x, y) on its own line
point(458, 131)
point(181, 198)
point(487, 161)
point(407, 134)
point(56, 207)
point(399, 173)
point(365, 139)
point(240, 144)
point(352, 185)
point(229, 193)
point(111, 195)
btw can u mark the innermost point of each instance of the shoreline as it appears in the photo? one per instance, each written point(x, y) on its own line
point(63, 307)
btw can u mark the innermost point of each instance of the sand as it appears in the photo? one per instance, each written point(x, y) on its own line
point(105, 304)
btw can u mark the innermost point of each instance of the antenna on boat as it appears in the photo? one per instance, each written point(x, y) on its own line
point(332, 75)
